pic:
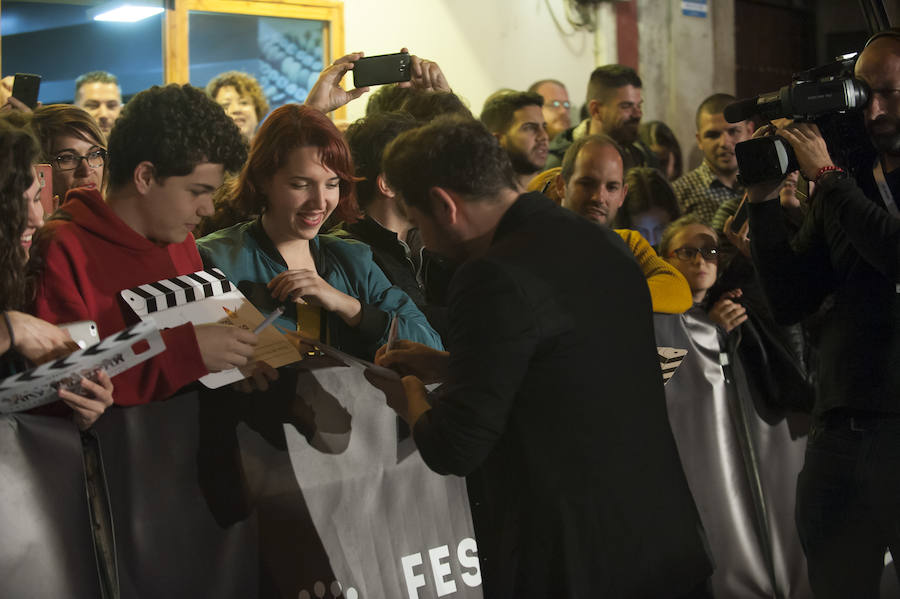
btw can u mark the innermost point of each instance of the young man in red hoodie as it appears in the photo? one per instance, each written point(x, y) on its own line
point(168, 153)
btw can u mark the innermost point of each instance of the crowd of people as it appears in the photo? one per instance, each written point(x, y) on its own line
point(534, 266)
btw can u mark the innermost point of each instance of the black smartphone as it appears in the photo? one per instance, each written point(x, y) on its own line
point(378, 70)
point(25, 88)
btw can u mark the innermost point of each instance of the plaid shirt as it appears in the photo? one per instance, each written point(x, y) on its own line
point(700, 192)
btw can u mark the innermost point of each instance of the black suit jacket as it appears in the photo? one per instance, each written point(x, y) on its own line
point(554, 410)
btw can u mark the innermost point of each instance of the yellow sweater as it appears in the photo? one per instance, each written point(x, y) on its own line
point(669, 290)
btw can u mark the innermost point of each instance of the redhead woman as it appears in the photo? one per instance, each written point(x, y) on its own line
point(298, 174)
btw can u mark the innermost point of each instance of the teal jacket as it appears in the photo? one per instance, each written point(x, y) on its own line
point(249, 259)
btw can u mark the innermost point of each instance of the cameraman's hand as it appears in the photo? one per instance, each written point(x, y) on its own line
point(767, 190)
point(327, 94)
point(223, 346)
point(809, 146)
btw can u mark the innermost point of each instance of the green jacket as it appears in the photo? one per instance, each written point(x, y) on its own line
point(250, 260)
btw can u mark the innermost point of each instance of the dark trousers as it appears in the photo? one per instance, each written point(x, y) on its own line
point(848, 503)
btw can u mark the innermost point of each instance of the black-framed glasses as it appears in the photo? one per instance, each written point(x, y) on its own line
point(557, 104)
point(687, 253)
point(69, 161)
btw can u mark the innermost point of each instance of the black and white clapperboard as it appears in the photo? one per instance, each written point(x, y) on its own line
point(670, 358)
point(115, 354)
point(203, 297)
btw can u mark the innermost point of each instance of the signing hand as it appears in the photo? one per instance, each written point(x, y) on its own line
point(224, 346)
point(411, 358)
point(307, 286)
point(259, 375)
point(327, 93)
point(87, 409)
point(727, 313)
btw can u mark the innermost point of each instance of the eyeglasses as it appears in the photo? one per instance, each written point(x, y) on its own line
point(557, 104)
point(70, 161)
point(687, 253)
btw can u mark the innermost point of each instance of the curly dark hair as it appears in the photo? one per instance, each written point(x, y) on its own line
point(18, 151)
point(175, 127)
point(426, 106)
point(497, 114)
point(368, 137)
point(453, 153)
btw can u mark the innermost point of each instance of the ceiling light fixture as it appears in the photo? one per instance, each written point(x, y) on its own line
point(125, 13)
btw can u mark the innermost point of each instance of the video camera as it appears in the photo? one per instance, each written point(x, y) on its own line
point(828, 96)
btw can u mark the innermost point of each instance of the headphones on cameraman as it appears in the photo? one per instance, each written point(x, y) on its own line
point(893, 32)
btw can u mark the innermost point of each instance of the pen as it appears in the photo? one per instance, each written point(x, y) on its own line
point(269, 320)
point(392, 334)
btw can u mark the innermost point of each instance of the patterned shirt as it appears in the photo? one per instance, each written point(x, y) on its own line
point(700, 192)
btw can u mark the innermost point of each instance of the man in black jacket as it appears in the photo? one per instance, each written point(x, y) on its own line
point(552, 404)
point(848, 495)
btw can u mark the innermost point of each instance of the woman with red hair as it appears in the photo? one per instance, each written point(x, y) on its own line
point(298, 173)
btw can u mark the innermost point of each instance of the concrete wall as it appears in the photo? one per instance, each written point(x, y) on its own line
point(683, 60)
point(482, 45)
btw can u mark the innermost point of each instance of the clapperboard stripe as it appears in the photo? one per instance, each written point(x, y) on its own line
point(177, 291)
point(74, 358)
point(670, 358)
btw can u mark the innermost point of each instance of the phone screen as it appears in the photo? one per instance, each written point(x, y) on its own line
point(45, 172)
point(26, 87)
point(378, 70)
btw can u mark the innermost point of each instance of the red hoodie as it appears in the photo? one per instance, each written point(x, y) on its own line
point(89, 255)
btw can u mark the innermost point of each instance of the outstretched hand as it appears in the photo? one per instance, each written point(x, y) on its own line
point(327, 94)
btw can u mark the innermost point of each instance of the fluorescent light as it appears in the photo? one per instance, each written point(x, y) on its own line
point(127, 13)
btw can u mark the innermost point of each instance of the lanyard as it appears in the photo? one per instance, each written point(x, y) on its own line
point(886, 195)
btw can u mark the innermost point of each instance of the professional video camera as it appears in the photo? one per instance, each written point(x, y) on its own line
point(828, 96)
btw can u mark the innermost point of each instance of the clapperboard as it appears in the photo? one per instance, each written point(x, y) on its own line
point(115, 354)
point(203, 297)
point(670, 358)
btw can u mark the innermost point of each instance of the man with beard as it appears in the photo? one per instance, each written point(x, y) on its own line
point(703, 190)
point(552, 404)
point(615, 107)
point(516, 119)
point(848, 250)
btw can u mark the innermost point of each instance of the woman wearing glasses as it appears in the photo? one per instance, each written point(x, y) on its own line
point(73, 144)
point(740, 454)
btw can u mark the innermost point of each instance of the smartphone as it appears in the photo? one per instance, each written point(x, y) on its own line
point(83, 332)
point(378, 70)
point(740, 217)
point(26, 87)
point(45, 173)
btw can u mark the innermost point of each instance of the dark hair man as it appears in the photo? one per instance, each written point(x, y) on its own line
point(848, 248)
point(396, 244)
point(704, 190)
point(167, 155)
point(537, 352)
point(516, 119)
point(557, 110)
point(592, 183)
point(614, 106)
point(98, 93)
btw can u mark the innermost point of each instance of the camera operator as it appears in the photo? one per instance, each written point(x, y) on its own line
point(848, 494)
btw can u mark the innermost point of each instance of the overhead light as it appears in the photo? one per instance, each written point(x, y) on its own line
point(125, 13)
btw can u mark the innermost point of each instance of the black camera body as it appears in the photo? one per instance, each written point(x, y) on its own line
point(828, 96)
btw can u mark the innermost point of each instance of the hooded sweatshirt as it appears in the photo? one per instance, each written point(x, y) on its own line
point(88, 255)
